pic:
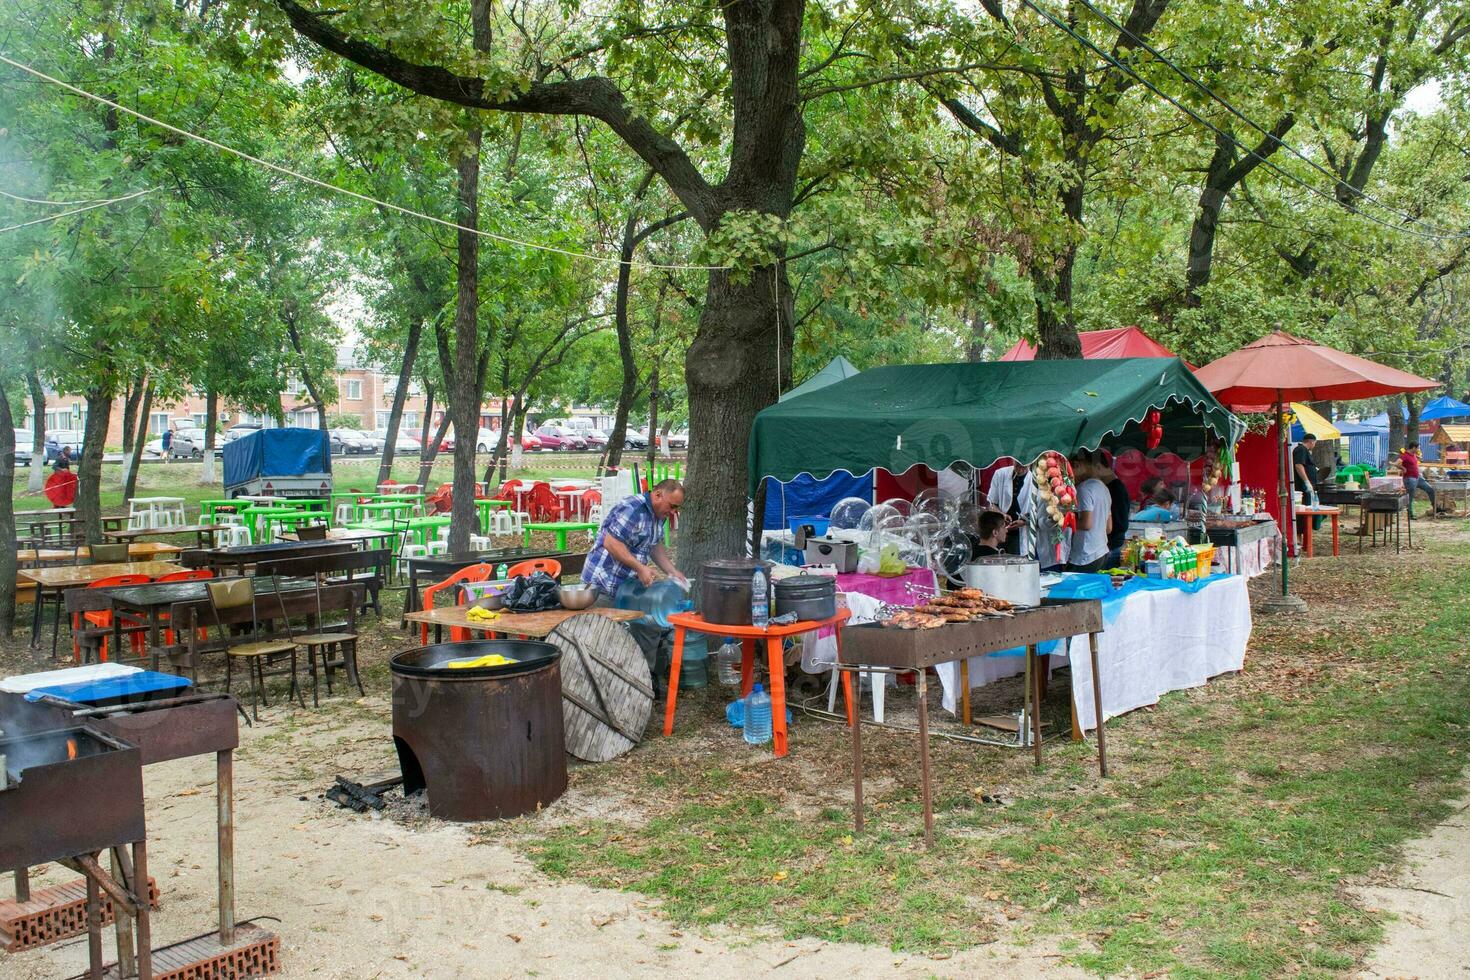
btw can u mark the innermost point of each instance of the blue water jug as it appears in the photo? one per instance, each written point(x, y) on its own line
point(658, 601)
point(757, 716)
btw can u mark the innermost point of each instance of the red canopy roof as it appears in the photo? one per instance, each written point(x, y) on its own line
point(1118, 342)
point(1283, 368)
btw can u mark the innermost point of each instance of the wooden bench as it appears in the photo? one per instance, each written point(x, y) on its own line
point(200, 627)
point(89, 638)
point(368, 568)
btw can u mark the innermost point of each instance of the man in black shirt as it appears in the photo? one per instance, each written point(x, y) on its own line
point(1305, 468)
point(993, 527)
point(1120, 506)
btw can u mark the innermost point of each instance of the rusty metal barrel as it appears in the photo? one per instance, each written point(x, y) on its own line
point(485, 742)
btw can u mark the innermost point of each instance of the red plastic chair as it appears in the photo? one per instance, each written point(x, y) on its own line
point(590, 499)
point(441, 500)
point(102, 617)
point(543, 504)
point(508, 490)
point(475, 573)
point(550, 566)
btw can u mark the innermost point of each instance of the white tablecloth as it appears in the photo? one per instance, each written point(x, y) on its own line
point(1158, 641)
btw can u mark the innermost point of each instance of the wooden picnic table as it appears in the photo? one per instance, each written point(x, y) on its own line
point(203, 533)
point(152, 601)
point(241, 558)
point(436, 567)
point(537, 624)
point(137, 551)
point(348, 534)
point(58, 578)
point(560, 528)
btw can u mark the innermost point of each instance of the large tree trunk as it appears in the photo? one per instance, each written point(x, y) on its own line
point(211, 430)
point(37, 477)
point(431, 451)
point(617, 438)
point(89, 467)
point(464, 387)
point(400, 395)
point(653, 396)
point(132, 456)
point(1411, 425)
point(1395, 427)
point(131, 397)
point(7, 516)
point(1056, 330)
point(1222, 176)
point(731, 374)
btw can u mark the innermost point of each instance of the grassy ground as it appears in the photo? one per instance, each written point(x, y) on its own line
point(1237, 817)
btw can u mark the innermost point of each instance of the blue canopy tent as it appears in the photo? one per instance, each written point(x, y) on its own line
point(1367, 444)
point(1444, 407)
point(1428, 450)
point(805, 495)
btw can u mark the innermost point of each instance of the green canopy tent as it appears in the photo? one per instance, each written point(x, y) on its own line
point(837, 369)
point(938, 414)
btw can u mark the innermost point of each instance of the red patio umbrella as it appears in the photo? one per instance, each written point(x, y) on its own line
point(61, 488)
point(1279, 369)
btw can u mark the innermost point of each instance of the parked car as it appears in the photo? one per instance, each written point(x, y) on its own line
point(530, 442)
point(678, 440)
point(596, 438)
point(374, 442)
point(23, 440)
point(347, 442)
point(561, 436)
point(405, 443)
point(187, 444)
point(634, 439)
point(57, 438)
point(239, 430)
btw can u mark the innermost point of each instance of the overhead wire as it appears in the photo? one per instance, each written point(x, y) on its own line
point(324, 185)
point(1265, 161)
point(1222, 101)
point(67, 214)
point(64, 204)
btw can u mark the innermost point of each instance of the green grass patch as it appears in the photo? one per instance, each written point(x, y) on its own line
point(1238, 817)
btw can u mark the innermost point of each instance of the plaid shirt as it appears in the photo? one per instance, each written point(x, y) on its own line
point(631, 521)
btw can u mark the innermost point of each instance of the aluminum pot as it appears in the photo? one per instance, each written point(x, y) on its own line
point(1011, 577)
point(809, 596)
point(724, 589)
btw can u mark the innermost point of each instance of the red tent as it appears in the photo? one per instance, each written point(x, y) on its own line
point(1096, 344)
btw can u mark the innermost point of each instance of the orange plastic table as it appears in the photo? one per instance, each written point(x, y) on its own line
point(1309, 512)
point(748, 635)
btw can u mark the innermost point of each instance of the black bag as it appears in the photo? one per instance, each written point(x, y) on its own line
point(534, 593)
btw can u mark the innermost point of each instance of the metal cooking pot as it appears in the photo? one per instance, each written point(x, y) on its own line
point(1011, 577)
point(724, 589)
point(809, 596)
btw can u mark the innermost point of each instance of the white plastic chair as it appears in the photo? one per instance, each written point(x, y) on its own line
point(343, 514)
point(236, 535)
point(480, 543)
point(439, 546)
point(407, 551)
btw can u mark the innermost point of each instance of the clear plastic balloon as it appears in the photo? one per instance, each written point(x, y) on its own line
point(904, 507)
point(876, 520)
point(848, 511)
point(924, 525)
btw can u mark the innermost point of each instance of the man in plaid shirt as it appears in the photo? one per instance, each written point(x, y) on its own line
point(631, 543)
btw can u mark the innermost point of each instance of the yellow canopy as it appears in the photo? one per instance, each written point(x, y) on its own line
point(1313, 422)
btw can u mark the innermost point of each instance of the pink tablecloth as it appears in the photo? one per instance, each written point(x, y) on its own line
point(894, 590)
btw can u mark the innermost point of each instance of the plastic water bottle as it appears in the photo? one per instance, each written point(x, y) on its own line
point(757, 716)
point(727, 664)
point(760, 603)
point(658, 601)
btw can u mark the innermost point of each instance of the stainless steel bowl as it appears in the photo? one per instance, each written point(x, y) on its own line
point(577, 596)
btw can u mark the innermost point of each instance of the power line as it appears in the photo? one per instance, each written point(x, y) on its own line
point(64, 204)
point(504, 240)
point(67, 214)
point(1224, 135)
point(1201, 86)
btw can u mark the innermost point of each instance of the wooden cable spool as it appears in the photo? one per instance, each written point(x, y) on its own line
point(606, 687)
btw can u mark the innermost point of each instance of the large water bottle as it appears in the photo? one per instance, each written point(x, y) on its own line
point(727, 664)
point(760, 603)
point(757, 716)
point(658, 601)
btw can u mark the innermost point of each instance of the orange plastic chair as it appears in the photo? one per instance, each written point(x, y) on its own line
point(550, 566)
point(194, 575)
point(102, 617)
point(475, 573)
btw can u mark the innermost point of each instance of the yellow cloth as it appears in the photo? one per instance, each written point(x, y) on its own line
point(493, 660)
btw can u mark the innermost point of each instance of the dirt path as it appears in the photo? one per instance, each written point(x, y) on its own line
point(367, 896)
point(1430, 937)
